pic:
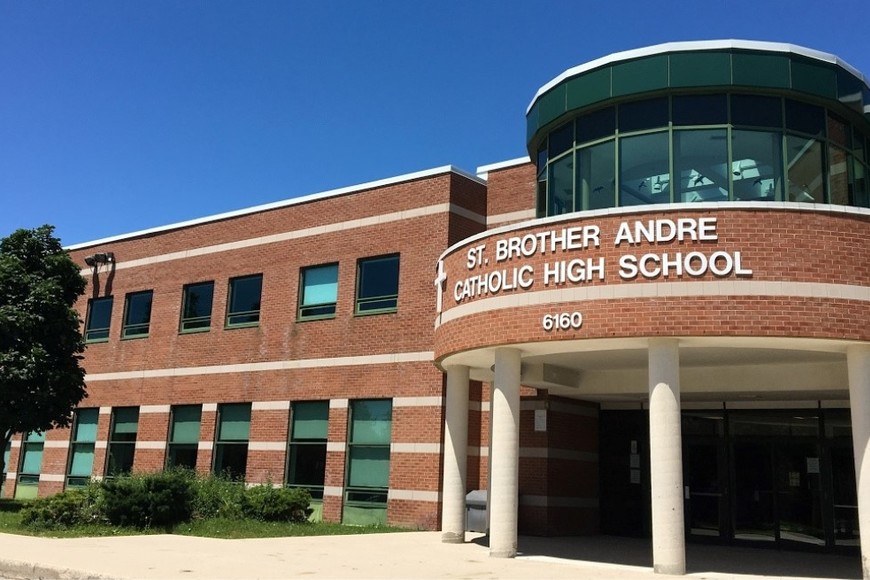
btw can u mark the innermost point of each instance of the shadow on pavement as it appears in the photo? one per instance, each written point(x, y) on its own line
point(700, 558)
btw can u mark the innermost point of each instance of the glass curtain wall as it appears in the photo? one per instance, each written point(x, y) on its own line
point(702, 148)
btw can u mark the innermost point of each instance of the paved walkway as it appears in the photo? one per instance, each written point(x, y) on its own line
point(399, 555)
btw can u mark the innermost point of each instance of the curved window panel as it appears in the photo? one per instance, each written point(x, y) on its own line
point(561, 186)
point(756, 166)
point(561, 140)
point(862, 185)
point(806, 183)
point(701, 165)
point(838, 175)
point(756, 111)
point(597, 125)
point(804, 118)
point(700, 110)
point(641, 115)
point(596, 176)
point(644, 175)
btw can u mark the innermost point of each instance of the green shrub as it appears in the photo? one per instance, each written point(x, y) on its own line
point(277, 504)
point(64, 510)
point(160, 499)
point(218, 497)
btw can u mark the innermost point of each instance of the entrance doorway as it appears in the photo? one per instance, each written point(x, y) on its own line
point(766, 478)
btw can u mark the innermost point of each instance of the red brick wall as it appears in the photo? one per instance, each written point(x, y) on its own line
point(511, 189)
point(777, 245)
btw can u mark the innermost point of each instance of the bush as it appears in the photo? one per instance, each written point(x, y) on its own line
point(281, 504)
point(218, 497)
point(64, 510)
point(153, 500)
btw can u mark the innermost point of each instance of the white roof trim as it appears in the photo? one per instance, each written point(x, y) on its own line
point(284, 203)
point(696, 45)
point(483, 170)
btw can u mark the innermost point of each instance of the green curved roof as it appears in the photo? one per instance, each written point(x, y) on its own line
point(728, 64)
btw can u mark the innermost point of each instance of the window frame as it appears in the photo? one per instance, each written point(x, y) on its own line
point(221, 445)
point(187, 320)
point(117, 444)
point(295, 443)
point(110, 300)
point(358, 300)
point(174, 446)
point(228, 321)
point(133, 330)
point(75, 444)
point(353, 493)
point(301, 307)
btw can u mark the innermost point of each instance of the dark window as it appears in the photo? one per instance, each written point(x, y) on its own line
point(561, 140)
point(81, 455)
point(756, 111)
point(641, 115)
point(318, 291)
point(700, 110)
point(99, 319)
point(231, 446)
point(307, 457)
point(122, 441)
point(806, 181)
point(184, 436)
point(137, 315)
point(596, 180)
point(804, 118)
point(701, 165)
point(596, 125)
point(196, 307)
point(377, 285)
point(243, 306)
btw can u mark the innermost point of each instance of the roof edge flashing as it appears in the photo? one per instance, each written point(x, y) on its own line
point(695, 45)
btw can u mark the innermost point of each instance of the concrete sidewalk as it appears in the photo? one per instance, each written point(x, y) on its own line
point(398, 555)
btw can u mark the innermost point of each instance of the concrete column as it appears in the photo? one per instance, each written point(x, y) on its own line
point(455, 456)
point(858, 361)
point(504, 454)
point(666, 457)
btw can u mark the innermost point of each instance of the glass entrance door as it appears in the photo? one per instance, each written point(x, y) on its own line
point(776, 470)
point(754, 498)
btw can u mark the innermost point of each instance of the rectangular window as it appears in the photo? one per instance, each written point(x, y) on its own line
point(196, 307)
point(368, 469)
point(377, 285)
point(30, 465)
point(318, 291)
point(81, 454)
point(137, 314)
point(184, 436)
point(122, 441)
point(243, 304)
point(98, 319)
point(806, 180)
point(307, 457)
point(231, 446)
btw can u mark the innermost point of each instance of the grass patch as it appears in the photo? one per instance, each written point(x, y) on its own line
point(225, 528)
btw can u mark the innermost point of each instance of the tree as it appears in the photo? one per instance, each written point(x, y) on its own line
point(41, 381)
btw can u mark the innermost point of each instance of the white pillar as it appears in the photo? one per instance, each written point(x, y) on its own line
point(858, 361)
point(504, 454)
point(666, 457)
point(455, 456)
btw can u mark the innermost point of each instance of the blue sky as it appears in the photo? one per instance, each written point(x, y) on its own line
point(117, 116)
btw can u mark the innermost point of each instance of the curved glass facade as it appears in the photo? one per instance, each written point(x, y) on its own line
point(703, 147)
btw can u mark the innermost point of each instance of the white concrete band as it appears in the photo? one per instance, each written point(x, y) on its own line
point(455, 455)
point(503, 491)
point(858, 362)
point(666, 457)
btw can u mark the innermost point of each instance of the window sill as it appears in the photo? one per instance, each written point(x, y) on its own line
point(242, 325)
point(134, 337)
point(193, 330)
point(315, 318)
point(96, 340)
point(376, 312)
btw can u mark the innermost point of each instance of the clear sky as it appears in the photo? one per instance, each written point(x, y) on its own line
point(117, 116)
